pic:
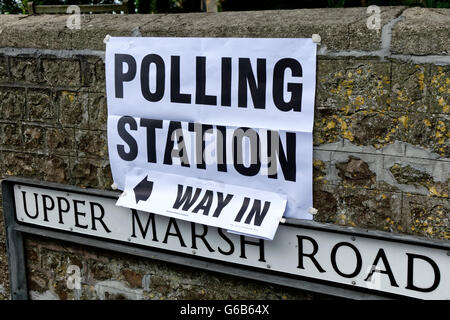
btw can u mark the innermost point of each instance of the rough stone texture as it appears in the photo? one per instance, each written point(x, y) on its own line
point(97, 111)
point(73, 109)
point(94, 74)
point(43, 31)
point(439, 89)
point(109, 276)
point(33, 137)
point(23, 70)
point(10, 135)
point(12, 103)
point(61, 72)
point(3, 68)
point(91, 143)
point(60, 140)
point(340, 29)
point(41, 106)
point(421, 32)
point(381, 132)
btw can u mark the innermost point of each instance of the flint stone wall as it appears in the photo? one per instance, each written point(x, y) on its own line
point(381, 132)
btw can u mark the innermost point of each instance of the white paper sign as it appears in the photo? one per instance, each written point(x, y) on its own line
point(235, 111)
point(247, 211)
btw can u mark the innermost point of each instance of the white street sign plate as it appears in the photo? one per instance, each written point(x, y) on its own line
point(406, 267)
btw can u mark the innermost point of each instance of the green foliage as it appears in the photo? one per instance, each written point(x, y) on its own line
point(336, 3)
point(9, 6)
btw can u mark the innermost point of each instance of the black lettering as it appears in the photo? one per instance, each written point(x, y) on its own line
point(256, 212)
point(151, 126)
point(160, 77)
point(60, 209)
point(46, 207)
point(175, 94)
point(226, 82)
point(35, 203)
point(205, 203)
point(242, 210)
point(259, 243)
point(221, 203)
point(410, 274)
point(100, 218)
point(257, 88)
point(238, 154)
point(358, 260)
point(172, 222)
point(119, 76)
point(294, 88)
point(200, 236)
point(151, 219)
point(381, 255)
point(186, 198)
point(175, 133)
point(221, 149)
point(200, 95)
point(132, 144)
point(311, 255)
point(230, 243)
point(79, 213)
point(287, 160)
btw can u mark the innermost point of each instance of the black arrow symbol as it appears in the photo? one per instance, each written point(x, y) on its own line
point(143, 190)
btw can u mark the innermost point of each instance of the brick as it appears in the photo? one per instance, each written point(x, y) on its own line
point(61, 72)
point(91, 143)
point(431, 132)
point(133, 278)
point(60, 140)
point(100, 271)
point(33, 137)
point(353, 169)
point(23, 69)
point(325, 200)
point(94, 74)
point(12, 103)
point(41, 106)
point(90, 173)
point(427, 216)
point(55, 169)
point(404, 174)
point(321, 165)
point(10, 136)
point(439, 89)
point(3, 68)
point(21, 164)
point(98, 113)
point(352, 85)
point(355, 206)
point(378, 129)
point(73, 109)
point(366, 128)
point(409, 87)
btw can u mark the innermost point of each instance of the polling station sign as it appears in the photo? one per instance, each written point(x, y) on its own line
point(368, 260)
point(234, 112)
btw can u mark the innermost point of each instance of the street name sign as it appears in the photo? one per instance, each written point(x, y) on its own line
point(336, 257)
